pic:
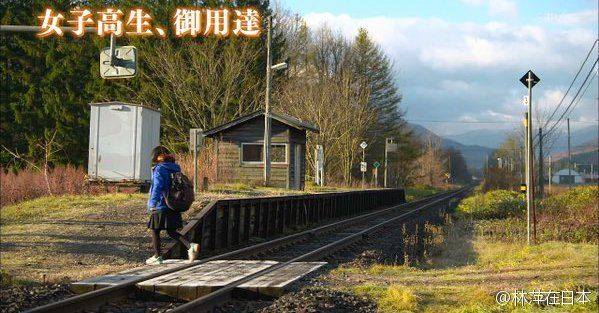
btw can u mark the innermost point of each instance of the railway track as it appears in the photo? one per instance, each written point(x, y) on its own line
point(309, 245)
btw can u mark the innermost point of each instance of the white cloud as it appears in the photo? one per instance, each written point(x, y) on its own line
point(576, 18)
point(467, 118)
point(472, 67)
point(455, 86)
point(503, 8)
point(473, 2)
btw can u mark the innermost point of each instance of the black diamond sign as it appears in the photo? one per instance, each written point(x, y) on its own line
point(535, 79)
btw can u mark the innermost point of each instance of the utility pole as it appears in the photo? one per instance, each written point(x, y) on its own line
point(529, 80)
point(550, 174)
point(450, 171)
point(267, 119)
point(363, 171)
point(541, 178)
point(569, 152)
point(266, 148)
point(385, 174)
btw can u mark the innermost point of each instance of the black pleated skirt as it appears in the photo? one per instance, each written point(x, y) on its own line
point(165, 220)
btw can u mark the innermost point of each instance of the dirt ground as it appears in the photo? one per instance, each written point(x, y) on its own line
point(69, 238)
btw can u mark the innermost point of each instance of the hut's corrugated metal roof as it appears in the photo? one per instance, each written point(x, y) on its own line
point(281, 117)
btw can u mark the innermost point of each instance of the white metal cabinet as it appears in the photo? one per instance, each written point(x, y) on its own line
point(121, 138)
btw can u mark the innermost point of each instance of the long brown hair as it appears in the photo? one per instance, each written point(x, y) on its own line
point(162, 154)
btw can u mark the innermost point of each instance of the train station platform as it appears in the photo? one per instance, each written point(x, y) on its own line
point(199, 280)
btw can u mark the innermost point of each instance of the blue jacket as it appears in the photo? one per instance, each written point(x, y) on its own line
point(161, 182)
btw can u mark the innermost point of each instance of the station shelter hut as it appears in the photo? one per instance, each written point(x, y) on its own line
point(239, 146)
point(565, 177)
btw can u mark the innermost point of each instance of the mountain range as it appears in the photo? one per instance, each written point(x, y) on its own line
point(493, 138)
point(477, 145)
point(474, 155)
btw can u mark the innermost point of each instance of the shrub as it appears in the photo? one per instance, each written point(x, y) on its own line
point(30, 183)
point(419, 191)
point(572, 215)
point(394, 298)
point(494, 204)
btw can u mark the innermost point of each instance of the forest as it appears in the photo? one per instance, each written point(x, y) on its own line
point(346, 86)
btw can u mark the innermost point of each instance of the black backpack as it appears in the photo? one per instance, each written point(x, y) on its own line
point(179, 196)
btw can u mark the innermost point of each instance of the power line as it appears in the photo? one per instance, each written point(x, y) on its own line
point(571, 84)
point(574, 98)
point(485, 122)
point(577, 102)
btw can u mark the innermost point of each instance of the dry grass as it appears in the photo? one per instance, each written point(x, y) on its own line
point(70, 237)
point(30, 183)
point(466, 272)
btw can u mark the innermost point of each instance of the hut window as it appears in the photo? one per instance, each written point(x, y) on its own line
point(252, 153)
point(278, 154)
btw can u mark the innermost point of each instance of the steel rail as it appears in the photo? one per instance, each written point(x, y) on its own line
point(208, 302)
point(101, 296)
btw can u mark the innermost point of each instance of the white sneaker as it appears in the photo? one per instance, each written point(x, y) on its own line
point(192, 252)
point(154, 260)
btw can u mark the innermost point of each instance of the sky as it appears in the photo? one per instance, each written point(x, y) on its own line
point(459, 61)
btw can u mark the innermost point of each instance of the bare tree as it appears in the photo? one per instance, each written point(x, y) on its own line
point(431, 170)
point(49, 147)
point(202, 84)
point(327, 92)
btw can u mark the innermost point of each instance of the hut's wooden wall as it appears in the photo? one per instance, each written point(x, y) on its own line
point(229, 165)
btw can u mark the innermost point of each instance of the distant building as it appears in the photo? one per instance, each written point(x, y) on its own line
point(239, 150)
point(567, 177)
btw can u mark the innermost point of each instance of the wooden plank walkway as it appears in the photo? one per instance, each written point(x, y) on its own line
point(200, 280)
point(94, 283)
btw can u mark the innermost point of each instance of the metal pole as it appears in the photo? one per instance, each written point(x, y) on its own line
point(529, 159)
point(541, 177)
point(363, 173)
point(266, 148)
point(550, 174)
point(385, 174)
point(112, 47)
point(450, 172)
point(195, 170)
point(569, 152)
point(316, 167)
point(34, 29)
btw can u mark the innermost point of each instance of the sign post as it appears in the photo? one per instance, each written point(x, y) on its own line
point(195, 143)
point(390, 146)
point(363, 164)
point(376, 166)
point(319, 166)
point(529, 80)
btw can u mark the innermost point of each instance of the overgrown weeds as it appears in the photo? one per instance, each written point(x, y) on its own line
point(571, 216)
point(30, 183)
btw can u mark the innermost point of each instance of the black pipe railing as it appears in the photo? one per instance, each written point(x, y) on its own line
point(226, 223)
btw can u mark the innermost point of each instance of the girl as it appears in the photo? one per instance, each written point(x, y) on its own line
point(162, 217)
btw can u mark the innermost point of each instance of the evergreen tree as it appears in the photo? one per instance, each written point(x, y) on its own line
point(47, 84)
point(375, 68)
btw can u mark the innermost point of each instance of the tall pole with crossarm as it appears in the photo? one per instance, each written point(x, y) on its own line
point(266, 148)
point(529, 80)
point(267, 119)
